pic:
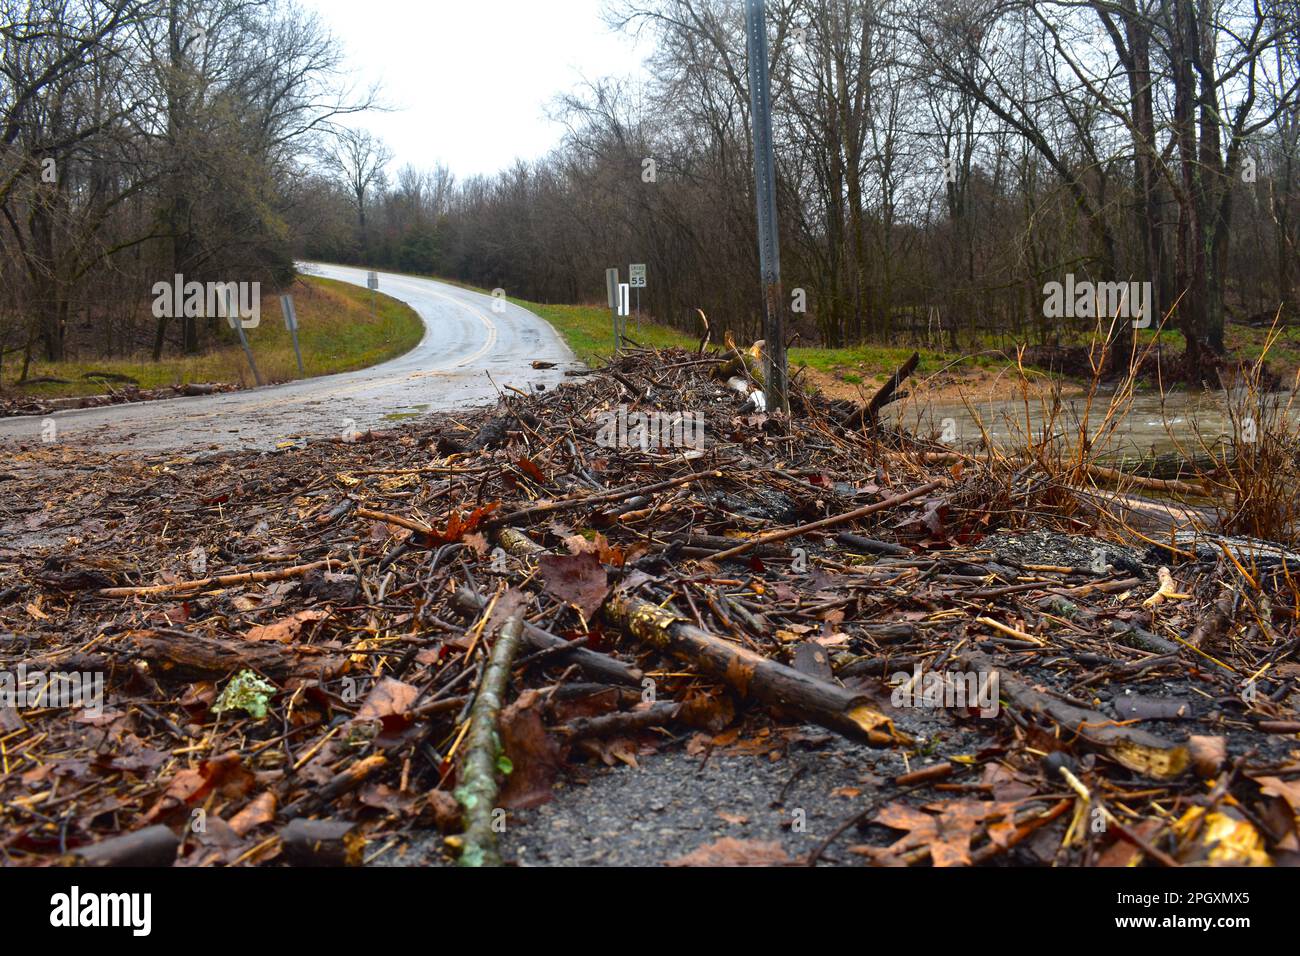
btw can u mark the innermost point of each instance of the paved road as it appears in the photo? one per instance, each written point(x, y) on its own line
point(465, 341)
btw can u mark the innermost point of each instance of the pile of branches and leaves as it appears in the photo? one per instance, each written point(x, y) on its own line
point(126, 393)
point(308, 656)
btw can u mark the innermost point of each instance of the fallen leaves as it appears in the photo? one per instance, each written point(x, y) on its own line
point(387, 699)
point(946, 831)
point(286, 630)
point(192, 785)
point(535, 758)
point(576, 579)
point(458, 526)
point(730, 851)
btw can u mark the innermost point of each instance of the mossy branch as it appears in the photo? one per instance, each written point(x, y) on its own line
point(477, 792)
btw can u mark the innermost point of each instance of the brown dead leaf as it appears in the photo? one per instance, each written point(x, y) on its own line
point(529, 468)
point(388, 698)
point(1288, 790)
point(535, 757)
point(258, 813)
point(1208, 754)
point(383, 797)
point(287, 629)
point(947, 834)
point(458, 525)
point(577, 579)
point(193, 784)
point(445, 810)
point(730, 851)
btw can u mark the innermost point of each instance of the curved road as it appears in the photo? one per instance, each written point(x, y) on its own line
point(465, 342)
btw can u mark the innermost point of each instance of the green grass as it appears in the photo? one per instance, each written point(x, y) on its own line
point(1243, 342)
point(862, 362)
point(335, 330)
point(589, 330)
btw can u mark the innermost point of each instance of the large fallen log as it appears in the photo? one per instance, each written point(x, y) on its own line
point(180, 655)
point(1138, 750)
point(751, 674)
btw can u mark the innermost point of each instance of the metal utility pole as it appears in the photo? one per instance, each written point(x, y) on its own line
point(615, 305)
point(769, 245)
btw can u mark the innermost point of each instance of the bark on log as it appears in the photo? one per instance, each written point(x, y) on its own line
point(322, 843)
point(656, 715)
point(152, 846)
point(1215, 623)
point(750, 674)
point(189, 656)
point(871, 411)
point(222, 581)
point(517, 543)
point(1138, 750)
point(1133, 636)
point(860, 545)
point(1170, 485)
point(341, 783)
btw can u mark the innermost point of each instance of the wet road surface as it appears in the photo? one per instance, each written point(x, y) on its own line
point(473, 346)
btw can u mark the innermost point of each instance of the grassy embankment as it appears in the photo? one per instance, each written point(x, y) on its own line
point(335, 331)
point(842, 373)
point(845, 371)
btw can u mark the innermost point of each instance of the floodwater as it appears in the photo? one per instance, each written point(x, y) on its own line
point(1146, 427)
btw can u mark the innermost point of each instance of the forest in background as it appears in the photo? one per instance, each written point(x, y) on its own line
point(938, 164)
point(144, 139)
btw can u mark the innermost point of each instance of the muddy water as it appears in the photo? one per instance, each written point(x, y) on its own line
point(1151, 427)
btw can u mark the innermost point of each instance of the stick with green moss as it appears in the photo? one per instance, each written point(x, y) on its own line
point(478, 789)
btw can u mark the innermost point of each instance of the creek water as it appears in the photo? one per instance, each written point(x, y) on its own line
point(1149, 427)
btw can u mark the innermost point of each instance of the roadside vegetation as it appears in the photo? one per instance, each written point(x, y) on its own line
point(335, 330)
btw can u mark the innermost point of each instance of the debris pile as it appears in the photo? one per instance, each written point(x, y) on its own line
point(304, 657)
point(128, 393)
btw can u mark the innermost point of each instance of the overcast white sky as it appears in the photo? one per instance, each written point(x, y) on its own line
point(470, 80)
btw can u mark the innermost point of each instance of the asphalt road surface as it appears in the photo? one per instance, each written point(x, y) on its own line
point(470, 350)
